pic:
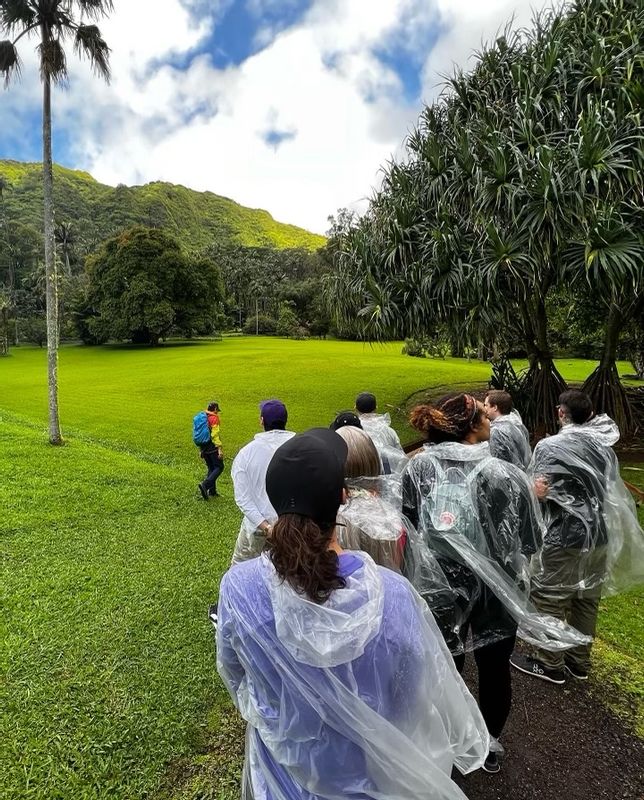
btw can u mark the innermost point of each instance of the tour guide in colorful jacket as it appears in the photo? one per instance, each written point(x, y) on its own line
point(212, 453)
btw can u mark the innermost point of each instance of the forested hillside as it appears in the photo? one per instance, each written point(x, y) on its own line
point(197, 219)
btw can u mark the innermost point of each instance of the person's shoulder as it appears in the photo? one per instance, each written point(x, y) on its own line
point(245, 451)
point(547, 445)
point(242, 577)
point(422, 455)
point(394, 583)
point(498, 469)
point(399, 596)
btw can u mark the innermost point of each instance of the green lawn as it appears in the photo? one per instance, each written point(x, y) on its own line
point(109, 560)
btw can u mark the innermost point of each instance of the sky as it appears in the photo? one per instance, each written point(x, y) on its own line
point(288, 105)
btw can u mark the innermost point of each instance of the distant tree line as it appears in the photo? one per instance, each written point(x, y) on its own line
point(141, 285)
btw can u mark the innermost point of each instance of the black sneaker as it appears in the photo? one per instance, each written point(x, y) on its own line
point(576, 672)
point(491, 763)
point(538, 670)
point(203, 491)
point(212, 615)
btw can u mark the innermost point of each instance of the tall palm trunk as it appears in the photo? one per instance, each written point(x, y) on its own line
point(50, 268)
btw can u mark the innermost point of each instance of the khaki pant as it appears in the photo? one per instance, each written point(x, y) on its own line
point(249, 544)
point(556, 591)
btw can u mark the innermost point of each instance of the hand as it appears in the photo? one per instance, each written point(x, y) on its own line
point(541, 487)
point(265, 527)
point(220, 453)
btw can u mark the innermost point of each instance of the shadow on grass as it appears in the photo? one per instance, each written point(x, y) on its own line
point(170, 345)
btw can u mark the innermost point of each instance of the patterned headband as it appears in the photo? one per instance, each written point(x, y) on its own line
point(470, 403)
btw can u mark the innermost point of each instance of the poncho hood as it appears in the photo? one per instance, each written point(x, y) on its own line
point(457, 451)
point(333, 633)
point(601, 428)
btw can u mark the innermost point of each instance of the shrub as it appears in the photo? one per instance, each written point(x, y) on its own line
point(415, 348)
point(287, 322)
point(260, 324)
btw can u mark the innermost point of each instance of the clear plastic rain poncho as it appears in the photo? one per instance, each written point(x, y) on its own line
point(593, 542)
point(479, 517)
point(385, 438)
point(372, 521)
point(357, 697)
point(510, 440)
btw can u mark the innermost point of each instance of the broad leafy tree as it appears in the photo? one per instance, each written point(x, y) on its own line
point(143, 286)
point(52, 23)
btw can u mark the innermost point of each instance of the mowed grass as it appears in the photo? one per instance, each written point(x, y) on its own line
point(109, 560)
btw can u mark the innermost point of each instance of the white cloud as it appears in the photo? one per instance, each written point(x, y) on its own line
point(202, 126)
point(467, 25)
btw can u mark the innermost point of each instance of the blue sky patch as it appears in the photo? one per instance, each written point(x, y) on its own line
point(243, 28)
point(275, 138)
point(406, 60)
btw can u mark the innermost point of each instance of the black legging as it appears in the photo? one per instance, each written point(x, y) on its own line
point(495, 683)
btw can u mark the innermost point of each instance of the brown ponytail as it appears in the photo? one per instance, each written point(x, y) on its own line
point(298, 548)
point(449, 420)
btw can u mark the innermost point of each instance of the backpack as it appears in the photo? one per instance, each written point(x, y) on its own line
point(200, 429)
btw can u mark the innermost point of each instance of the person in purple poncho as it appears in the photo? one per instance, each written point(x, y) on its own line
point(336, 664)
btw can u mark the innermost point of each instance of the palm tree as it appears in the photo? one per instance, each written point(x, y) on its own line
point(52, 22)
point(66, 239)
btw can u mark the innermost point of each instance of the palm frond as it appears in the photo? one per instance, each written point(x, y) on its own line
point(95, 9)
point(16, 15)
point(90, 43)
point(53, 61)
point(9, 60)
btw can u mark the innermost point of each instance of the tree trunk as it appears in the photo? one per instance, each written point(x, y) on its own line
point(456, 345)
point(542, 383)
point(50, 268)
point(603, 385)
point(4, 332)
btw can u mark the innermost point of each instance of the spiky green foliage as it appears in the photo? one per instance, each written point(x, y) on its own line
point(525, 175)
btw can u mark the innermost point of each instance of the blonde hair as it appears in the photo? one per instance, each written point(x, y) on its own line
point(363, 460)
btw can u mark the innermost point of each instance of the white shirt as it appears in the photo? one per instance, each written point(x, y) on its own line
point(249, 477)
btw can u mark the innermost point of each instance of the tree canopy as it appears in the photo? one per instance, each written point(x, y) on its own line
point(525, 176)
point(143, 286)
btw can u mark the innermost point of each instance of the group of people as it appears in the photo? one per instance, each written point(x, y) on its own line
point(361, 577)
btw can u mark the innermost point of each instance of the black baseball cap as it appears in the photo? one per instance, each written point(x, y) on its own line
point(345, 418)
point(306, 476)
point(366, 402)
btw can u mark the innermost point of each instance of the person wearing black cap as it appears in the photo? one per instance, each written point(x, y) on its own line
point(336, 664)
point(345, 418)
point(248, 473)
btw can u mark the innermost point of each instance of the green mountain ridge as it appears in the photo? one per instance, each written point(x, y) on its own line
point(97, 211)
